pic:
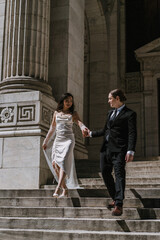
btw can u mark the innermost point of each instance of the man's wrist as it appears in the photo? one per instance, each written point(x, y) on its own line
point(130, 152)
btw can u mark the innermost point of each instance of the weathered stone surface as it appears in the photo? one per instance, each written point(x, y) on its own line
point(24, 121)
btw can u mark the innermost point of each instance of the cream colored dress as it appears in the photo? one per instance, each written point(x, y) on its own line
point(61, 149)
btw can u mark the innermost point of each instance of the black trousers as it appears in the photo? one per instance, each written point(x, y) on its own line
point(110, 161)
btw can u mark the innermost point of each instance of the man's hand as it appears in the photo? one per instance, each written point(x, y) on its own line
point(86, 132)
point(129, 157)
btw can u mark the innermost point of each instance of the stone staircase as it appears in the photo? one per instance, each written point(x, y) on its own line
point(35, 214)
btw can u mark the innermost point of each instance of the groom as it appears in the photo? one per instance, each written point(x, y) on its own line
point(118, 147)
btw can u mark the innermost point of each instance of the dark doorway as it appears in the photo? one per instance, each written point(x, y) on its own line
point(142, 27)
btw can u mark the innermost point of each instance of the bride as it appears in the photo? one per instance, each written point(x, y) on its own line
point(63, 166)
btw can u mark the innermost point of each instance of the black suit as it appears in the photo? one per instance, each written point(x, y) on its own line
point(119, 137)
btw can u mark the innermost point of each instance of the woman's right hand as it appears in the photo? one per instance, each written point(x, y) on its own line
point(44, 146)
point(86, 132)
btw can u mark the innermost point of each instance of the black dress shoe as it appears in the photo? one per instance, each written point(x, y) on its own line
point(111, 205)
point(117, 211)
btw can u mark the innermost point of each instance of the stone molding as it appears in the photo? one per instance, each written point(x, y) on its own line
point(31, 113)
point(149, 56)
point(18, 114)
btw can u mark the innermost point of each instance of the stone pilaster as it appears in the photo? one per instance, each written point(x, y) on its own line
point(66, 58)
point(26, 46)
point(150, 114)
point(149, 58)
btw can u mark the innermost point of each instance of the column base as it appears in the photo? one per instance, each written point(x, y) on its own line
point(24, 84)
point(24, 121)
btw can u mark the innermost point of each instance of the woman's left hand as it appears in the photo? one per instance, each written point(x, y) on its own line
point(44, 146)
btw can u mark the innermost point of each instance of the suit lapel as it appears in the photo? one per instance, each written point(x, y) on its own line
point(118, 116)
point(121, 113)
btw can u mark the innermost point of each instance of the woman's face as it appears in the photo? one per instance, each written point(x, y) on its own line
point(67, 103)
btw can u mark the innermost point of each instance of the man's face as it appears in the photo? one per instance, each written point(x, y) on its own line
point(114, 102)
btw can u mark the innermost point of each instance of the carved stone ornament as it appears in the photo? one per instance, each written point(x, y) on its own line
point(133, 82)
point(26, 113)
point(6, 115)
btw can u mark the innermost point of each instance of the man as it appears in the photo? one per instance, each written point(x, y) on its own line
point(118, 147)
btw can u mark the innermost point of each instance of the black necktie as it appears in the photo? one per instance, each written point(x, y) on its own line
point(114, 115)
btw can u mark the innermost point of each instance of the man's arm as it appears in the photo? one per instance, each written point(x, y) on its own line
point(132, 136)
point(100, 132)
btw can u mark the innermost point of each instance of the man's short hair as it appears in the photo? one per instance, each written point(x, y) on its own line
point(119, 93)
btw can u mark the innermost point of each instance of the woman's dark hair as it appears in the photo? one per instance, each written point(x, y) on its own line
point(119, 93)
point(60, 103)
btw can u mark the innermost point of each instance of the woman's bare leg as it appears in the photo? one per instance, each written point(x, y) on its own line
point(62, 176)
point(57, 170)
point(62, 184)
point(61, 180)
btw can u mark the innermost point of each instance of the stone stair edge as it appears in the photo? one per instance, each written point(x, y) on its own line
point(83, 231)
point(118, 225)
point(76, 208)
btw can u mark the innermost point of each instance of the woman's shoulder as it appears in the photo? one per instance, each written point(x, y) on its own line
point(55, 114)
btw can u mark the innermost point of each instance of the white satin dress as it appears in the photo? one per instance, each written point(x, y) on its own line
point(61, 150)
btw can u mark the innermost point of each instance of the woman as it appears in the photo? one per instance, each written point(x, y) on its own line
point(63, 146)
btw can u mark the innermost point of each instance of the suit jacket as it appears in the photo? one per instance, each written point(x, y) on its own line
point(122, 132)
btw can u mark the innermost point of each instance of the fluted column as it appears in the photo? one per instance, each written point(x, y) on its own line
point(26, 46)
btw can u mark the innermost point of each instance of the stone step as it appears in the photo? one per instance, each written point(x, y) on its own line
point(74, 202)
point(137, 167)
point(82, 164)
point(128, 185)
point(80, 224)
point(79, 212)
point(129, 180)
point(93, 192)
point(137, 174)
point(102, 185)
point(151, 162)
point(141, 174)
point(130, 172)
point(25, 234)
point(144, 163)
point(143, 185)
point(142, 168)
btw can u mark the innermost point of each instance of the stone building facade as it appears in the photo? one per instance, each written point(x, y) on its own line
point(48, 47)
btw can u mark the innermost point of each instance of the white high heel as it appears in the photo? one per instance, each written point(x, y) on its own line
point(56, 195)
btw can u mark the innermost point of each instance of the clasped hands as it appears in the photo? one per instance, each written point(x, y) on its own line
point(86, 132)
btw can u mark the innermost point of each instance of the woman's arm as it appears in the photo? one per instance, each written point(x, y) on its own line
point(83, 128)
point(50, 132)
